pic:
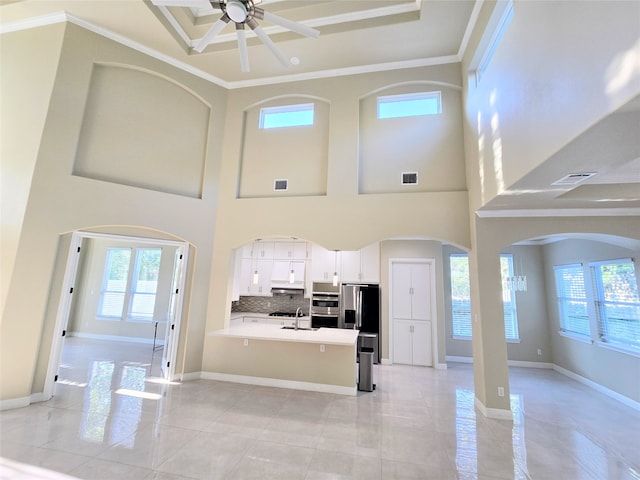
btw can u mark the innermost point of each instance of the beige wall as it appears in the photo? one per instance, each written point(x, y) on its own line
point(25, 90)
point(342, 219)
point(60, 202)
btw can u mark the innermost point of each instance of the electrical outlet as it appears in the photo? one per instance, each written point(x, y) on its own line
point(246, 342)
point(539, 351)
point(501, 391)
point(322, 348)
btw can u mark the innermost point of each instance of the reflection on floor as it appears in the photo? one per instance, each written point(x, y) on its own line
point(113, 417)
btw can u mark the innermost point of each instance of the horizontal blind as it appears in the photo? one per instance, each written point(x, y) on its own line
point(572, 299)
point(617, 303)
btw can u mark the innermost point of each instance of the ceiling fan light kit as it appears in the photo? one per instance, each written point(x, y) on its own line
point(245, 12)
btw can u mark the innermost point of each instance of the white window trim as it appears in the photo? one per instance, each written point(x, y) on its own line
point(281, 109)
point(576, 336)
point(406, 97)
point(618, 348)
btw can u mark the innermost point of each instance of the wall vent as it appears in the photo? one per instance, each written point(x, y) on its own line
point(409, 178)
point(573, 178)
point(280, 185)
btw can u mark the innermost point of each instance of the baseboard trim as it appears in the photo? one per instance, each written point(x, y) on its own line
point(526, 364)
point(279, 383)
point(385, 361)
point(441, 366)
point(453, 358)
point(11, 403)
point(188, 377)
point(496, 413)
point(112, 338)
point(599, 388)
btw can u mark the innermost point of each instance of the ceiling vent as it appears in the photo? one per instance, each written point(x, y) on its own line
point(280, 185)
point(410, 178)
point(574, 178)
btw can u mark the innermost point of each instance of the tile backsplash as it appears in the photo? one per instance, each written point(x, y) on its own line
point(277, 303)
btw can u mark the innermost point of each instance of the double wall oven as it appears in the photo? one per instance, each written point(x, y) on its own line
point(325, 305)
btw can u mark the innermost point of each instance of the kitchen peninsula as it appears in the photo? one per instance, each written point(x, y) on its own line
point(322, 360)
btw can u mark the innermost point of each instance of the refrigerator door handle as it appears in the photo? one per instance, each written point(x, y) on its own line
point(359, 310)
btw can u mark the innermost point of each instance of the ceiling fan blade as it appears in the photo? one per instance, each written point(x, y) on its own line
point(211, 34)
point(268, 42)
point(242, 47)
point(290, 25)
point(181, 3)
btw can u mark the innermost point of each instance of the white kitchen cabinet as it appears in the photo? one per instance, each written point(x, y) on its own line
point(237, 274)
point(323, 263)
point(264, 268)
point(361, 265)
point(291, 250)
point(260, 249)
point(411, 313)
point(351, 265)
point(412, 342)
point(282, 270)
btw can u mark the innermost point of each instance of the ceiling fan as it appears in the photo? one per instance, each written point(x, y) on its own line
point(243, 13)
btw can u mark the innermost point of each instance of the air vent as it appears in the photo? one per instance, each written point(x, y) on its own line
point(573, 178)
point(409, 178)
point(280, 185)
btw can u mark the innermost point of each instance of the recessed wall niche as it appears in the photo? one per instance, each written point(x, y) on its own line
point(431, 146)
point(143, 130)
point(298, 154)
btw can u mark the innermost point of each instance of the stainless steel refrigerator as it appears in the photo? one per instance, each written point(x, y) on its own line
point(360, 310)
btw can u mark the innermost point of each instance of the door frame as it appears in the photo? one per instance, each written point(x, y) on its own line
point(66, 302)
point(434, 306)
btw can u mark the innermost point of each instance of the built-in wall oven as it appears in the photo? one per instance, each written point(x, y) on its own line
point(325, 305)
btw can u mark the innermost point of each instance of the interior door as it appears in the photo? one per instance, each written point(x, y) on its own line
point(170, 340)
point(401, 291)
point(421, 291)
point(402, 342)
point(421, 342)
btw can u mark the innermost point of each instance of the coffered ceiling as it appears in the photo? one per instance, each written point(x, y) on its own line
point(355, 35)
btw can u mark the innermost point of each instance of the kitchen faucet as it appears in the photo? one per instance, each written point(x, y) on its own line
point(298, 315)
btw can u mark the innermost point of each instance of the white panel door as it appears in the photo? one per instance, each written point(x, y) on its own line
point(401, 291)
point(421, 343)
point(421, 291)
point(402, 342)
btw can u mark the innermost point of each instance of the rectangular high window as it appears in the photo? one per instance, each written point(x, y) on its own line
point(572, 299)
point(617, 303)
point(409, 105)
point(461, 298)
point(299, 115)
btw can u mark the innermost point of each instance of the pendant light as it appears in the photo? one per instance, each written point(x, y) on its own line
point(256, 277)
point(292, 273)
point(335, 268)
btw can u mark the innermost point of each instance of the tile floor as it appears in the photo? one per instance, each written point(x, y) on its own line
point(111, 419)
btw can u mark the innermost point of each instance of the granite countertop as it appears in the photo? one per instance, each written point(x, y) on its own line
point(262, 331)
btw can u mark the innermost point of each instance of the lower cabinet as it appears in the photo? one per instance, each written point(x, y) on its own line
point(412, 342)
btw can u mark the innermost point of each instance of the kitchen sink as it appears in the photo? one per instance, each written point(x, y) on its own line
point(290, 327)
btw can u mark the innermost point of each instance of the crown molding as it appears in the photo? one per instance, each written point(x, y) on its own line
point(62, 16)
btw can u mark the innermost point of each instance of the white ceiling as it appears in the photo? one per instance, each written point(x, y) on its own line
point(360, 36)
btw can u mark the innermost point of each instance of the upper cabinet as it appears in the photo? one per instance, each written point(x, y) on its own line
point(274, 260)
point(351, 266)
point(294, 250)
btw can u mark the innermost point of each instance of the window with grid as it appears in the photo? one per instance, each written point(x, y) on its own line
point(617, 303)
point(509, 299)
point(114, 283)
point(144, 283)
point(572, 299)
point(461, 298)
